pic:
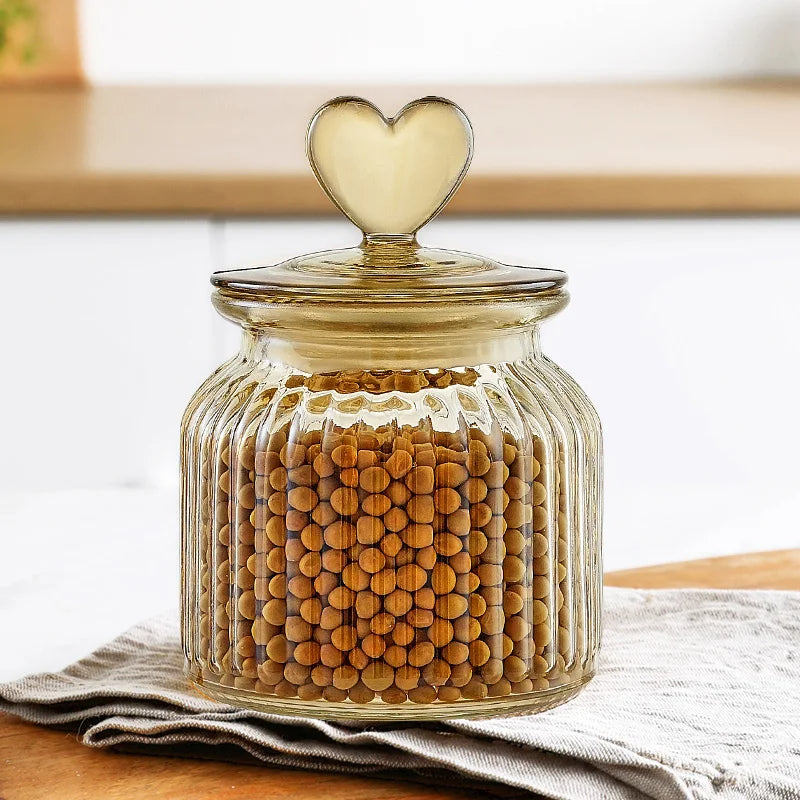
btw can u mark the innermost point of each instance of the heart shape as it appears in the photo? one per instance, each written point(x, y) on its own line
point(389, 176)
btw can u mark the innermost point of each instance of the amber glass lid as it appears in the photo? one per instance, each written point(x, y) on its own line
point(389, 176)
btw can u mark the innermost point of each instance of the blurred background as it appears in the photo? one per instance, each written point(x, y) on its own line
point(650, 150)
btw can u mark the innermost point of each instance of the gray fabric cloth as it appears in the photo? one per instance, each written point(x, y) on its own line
point(697, 696)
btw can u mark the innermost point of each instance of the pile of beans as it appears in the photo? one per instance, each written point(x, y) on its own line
point(393, 563)
point(381, 381)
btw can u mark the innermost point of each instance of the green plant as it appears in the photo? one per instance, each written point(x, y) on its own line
point(19, 30)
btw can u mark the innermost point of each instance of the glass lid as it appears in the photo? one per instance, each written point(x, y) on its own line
point(389, 176)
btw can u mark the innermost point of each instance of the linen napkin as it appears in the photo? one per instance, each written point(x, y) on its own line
point(697, 696)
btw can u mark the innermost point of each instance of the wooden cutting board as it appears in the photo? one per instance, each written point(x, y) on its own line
point(37, 763)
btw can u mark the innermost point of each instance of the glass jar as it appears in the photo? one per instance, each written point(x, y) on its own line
point(391, 499)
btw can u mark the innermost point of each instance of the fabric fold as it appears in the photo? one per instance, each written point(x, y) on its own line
point(697, 696)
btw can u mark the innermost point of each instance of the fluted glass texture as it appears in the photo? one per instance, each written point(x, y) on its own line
point(391, 544)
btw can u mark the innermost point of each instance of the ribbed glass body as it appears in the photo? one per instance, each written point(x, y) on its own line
point(392, 543)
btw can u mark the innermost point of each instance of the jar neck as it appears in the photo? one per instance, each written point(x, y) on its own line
point(351, 351)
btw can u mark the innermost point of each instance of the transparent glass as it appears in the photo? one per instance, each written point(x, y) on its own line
point(417, 542)
point(391, 499)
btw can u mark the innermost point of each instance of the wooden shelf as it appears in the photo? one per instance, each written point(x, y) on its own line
point(574, 149)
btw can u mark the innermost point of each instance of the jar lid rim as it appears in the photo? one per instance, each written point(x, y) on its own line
point(387, 272)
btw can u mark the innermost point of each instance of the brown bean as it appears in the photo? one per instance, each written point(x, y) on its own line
point(297, 629)
point(344, 637)
point(420, 480)
point(278, 649)
point(440, 632)
point(411, 577)
point(395, 519)
point(344, 456)
point(340, 535)
point(398, 493)
point(369, 530)
point(448, 694)
point(452, 475)
point(403, 634)
point(443, 578)
point(478, 462)
point(376, 504)
point(540, 518)
point(446, 544)
point(341, 597)
point(398, 602)
point(391, 544)
point(382, 623)
point(455, 653)
point(496, 475)
point(274, 612)
point(458, 523)
point(399, 463)
point(366, 459)
point(480, 514)
point(450, 606)
point(354, 577)
point(373, 645)
point(460, 562)
point(277, 586)
point(420, 508)
point(422, 695)
point(324, 465)
point(406, 678)
point(425, 598)
point(372, 560)
point(474, 490)
point(303, 498)
point(344, 501)
point(279, 479)
point(436, 673)
point(361, 694)
point(377, 676)
point(324, 514)
point(367, 604)
point(383, 582)
point(420, 618)
point(395, 656)
point(421, 654)
point(334, 560)
point(374, 479)
point(394, 695)
point(417, 535)
point(312, 537)
point(293, 455)
point(310, 564)
point(345, 677)
point(306, 653)
point(517, 628)
point(446, 500)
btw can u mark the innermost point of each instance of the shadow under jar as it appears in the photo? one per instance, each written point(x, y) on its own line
point(391, 498)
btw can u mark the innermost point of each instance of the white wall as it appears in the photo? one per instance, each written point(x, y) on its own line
point(106, 330)
point(251, 41)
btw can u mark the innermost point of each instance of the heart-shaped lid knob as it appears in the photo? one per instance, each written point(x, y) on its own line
point(389, 176)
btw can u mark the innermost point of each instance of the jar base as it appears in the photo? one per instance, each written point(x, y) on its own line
point(376, 711)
